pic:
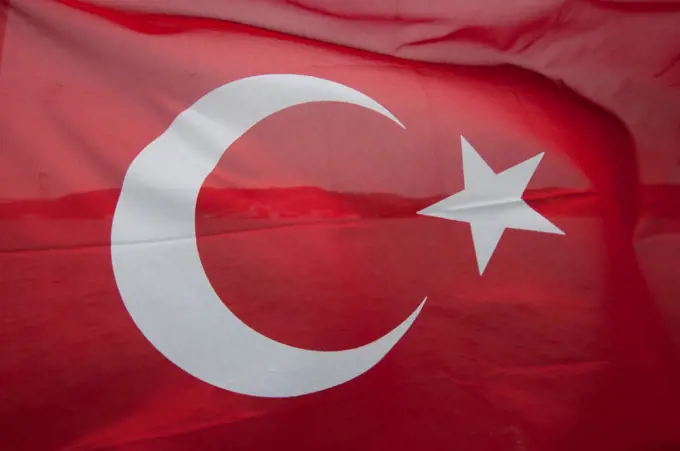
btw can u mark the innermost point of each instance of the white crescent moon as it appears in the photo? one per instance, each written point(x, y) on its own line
point(158, 268)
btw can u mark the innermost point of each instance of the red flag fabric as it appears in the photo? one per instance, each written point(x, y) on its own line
point(514, 165)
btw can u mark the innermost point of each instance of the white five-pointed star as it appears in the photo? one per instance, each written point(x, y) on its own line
point(491, 203)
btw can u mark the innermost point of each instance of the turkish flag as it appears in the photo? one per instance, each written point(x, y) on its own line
point(219, 229)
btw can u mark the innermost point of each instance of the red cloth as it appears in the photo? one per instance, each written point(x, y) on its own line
point(308, 231)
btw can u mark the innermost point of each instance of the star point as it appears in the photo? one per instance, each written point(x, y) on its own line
point(491, 202)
